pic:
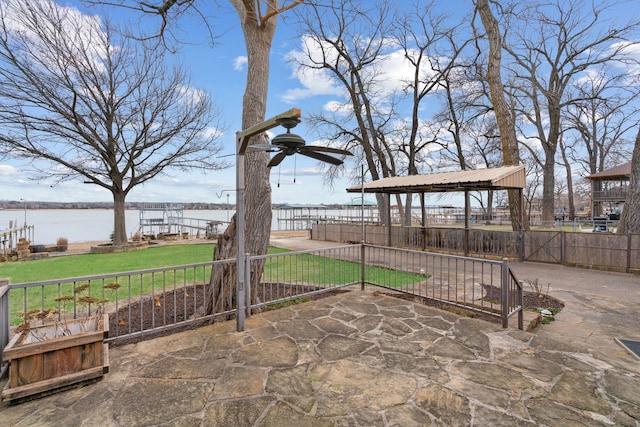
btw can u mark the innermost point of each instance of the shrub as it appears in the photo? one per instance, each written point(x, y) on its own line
point(62, 244)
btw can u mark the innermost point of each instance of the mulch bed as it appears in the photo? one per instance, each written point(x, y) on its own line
point(531, 300)
point(444, 306)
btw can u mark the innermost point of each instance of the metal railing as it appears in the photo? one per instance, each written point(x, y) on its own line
point(138, 302)
point(155, 300)
point(4, 322)
point(291, 275)
point(479, 285)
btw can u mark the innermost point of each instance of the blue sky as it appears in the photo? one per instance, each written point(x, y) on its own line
point(221, 71)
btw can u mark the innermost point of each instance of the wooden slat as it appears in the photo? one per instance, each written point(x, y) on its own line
point(13, 393)
point(23, 350)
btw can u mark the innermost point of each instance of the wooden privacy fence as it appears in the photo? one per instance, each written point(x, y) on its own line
point(606, 251)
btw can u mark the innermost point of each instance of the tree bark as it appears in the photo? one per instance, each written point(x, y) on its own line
point(630, 219)
point(257, 197)
point(119, 223)
point(505, 121)
point(568, 169)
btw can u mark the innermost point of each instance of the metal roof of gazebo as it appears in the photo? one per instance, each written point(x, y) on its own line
point(501, 178)
point(620, 171)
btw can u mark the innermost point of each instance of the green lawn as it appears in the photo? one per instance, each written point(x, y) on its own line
point(320, 270)
point(92, 264)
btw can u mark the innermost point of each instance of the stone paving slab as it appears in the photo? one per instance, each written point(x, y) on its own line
point(356, 359)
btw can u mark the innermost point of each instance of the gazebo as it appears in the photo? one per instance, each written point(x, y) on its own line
point(609, 187)
point(500, 178)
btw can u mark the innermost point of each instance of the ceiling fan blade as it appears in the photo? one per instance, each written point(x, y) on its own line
point(327, 150)
point(262, 147)
point(321, 157)
point(277, 159)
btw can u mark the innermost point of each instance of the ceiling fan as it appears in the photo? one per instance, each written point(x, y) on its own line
point(287, 144)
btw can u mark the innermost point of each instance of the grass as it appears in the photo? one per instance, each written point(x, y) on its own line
point(92, 264)
point(320, 270)
point(307, 269)
point(61, 268)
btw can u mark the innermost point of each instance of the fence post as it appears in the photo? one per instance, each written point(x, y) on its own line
point(628, 268)
point(521, 304)
point(362, 266)
point(240, 291)
point(4, 323)
point(504, 296)
point(247, 275)
point(521, 244)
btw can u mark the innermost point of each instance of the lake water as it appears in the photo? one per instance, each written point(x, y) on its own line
point(84, 225)
point(90, 225)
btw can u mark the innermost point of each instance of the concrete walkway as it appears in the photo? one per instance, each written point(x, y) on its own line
point(367, 359)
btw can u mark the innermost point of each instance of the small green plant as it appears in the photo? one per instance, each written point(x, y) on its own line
point(547, 315)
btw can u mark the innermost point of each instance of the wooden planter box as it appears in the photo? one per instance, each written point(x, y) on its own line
point(55, 363)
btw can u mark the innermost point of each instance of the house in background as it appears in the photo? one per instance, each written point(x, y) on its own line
point(609, 190)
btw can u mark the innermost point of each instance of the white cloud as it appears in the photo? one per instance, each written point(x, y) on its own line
point(86, 30)
point(239, 63)
point(191, 95)
point(314, 82)
point(338, 107)
point(8, 170)
point(390, 73)
point(212, 132)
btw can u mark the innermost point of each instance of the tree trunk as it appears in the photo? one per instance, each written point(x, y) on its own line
point(257, 196)
point(383, 209)
point(630, 219)
point(548, 189)
point(119, 222)
point(408, 207)
point(567, 167)
point(505, 121)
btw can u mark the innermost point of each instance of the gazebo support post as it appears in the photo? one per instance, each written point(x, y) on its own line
point(389, 216)
point(424, 222)
point(467, 214)
point(521, 231)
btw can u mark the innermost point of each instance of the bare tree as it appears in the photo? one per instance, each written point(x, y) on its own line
point(603, 113)
point(347, 39)
point(258, 20)
point(531, 191)
point(258, 26)
point(569, 174)
point(501, 108)
point(630, 219)
point(551, 46)
point(103, 108)
point(432, 47)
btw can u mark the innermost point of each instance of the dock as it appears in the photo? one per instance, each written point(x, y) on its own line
point(166, 221)
point(10, 237)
